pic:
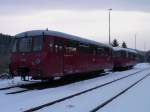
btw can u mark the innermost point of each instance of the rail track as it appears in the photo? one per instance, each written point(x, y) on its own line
point(17, 85)
point(88, 90)
point(119, 94)
point(48, 84)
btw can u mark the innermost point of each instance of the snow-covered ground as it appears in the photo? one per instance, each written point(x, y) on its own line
point(138, 95)
point(136, 99)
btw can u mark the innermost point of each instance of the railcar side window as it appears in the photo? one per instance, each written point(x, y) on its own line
point(84, 48)
point(127, 54)
point(123, 53)
point(118, 53)
point(106, 51)
point(58, 46)
point(25, 44)
point(100, 51)
point(37, 43)
point(130, 55)
point(92, 49)
point(71, 47)
point(51, 45)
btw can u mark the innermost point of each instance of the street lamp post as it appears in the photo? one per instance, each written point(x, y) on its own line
point(135, 41)
point(144, 46)
point(109, 26)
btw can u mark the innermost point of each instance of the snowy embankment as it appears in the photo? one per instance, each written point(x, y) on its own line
point(83, 103)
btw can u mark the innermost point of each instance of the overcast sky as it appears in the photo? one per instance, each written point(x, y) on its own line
point(86, 18)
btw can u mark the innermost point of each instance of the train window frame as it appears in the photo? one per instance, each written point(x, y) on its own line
point(84, 48)
point(106, 51)
point(123, 53)
point(100, 51)
point(31, 48)
point(92, 49)
point(51, 46)
point(58, 45)
point(127, 55)
point(118, 54)
point(71, 47)
point(33, 43)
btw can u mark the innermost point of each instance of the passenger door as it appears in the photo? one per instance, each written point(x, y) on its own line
point(70, 57)
point(59, 55)
point(54, 59)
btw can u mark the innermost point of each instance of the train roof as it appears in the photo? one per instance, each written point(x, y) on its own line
point(124, 49)
point(60, 34)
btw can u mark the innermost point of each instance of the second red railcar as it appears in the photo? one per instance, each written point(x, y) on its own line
point(124, 58)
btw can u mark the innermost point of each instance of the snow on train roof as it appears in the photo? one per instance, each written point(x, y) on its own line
point(60, 34)
point(124, 49)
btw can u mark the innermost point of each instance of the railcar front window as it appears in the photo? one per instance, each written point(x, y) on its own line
point(25, 44)
point(37, 44)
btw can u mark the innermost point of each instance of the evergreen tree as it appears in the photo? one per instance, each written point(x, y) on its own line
point(124, 45)
point(115, 43)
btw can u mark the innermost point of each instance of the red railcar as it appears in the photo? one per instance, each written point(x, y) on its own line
point(49, 54)
point(124, 58)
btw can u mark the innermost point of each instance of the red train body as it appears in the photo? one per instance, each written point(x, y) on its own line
point(49, 54)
